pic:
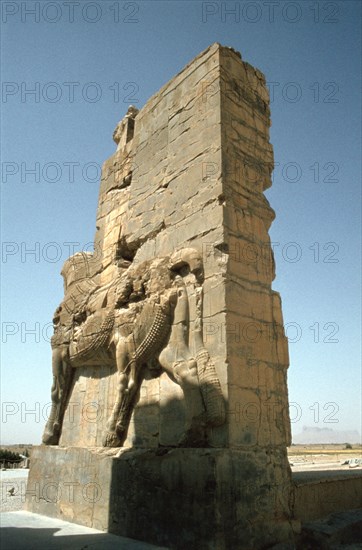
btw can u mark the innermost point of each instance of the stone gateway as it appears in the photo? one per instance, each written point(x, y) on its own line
point(169, 418)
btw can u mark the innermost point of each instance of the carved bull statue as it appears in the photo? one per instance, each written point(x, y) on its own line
point(141, 320)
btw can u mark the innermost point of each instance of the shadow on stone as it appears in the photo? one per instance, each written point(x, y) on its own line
point(194, 497)
point(22, 538)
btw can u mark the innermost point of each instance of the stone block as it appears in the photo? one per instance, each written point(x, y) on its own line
point(197, 498)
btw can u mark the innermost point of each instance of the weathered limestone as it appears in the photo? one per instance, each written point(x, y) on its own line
point(170, 334)
point(195, 498)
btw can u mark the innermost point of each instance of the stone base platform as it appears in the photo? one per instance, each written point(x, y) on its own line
point(180, 498)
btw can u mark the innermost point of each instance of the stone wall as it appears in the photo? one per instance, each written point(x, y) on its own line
point(199, 158)
point(330, 492)
point(257, 349)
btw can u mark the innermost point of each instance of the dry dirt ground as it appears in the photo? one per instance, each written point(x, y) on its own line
point(325, 458)
point(12, 489)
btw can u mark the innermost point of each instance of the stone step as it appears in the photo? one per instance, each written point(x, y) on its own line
point(342, 530)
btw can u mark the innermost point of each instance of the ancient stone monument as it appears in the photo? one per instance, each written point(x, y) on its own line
point(169, 415)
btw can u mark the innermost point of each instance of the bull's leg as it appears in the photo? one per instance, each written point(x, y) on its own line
point(177, 360)
point(116, 425)
point(110, 438)
point(62, 377)
point(207, 375)
point(127, 402)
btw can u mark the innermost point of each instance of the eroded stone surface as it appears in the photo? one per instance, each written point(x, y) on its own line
point(195, 498)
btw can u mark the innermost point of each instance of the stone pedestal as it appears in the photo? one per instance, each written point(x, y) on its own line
point(180, 498)
point(189, 173)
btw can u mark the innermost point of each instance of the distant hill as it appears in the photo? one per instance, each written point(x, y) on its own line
point(312, 434)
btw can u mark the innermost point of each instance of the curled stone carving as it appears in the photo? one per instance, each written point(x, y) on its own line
point(140, 320)
point(90, 343)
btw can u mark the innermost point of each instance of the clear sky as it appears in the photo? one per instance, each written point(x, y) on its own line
point(86, 62)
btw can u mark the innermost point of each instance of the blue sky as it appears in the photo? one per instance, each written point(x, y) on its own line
point(86, 62)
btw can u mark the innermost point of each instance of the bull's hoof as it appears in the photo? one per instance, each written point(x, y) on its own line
point(120, 430)
point(50, 436)
point(193, 437)
point(111, 439)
